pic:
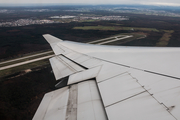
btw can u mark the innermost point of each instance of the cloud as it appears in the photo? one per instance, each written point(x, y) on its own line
point(147, 2)
point(161, 3)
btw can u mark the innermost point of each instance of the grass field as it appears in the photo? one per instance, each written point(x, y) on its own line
point(88, 20)
point(115, 28)
point(165, 38)
point(13, 70)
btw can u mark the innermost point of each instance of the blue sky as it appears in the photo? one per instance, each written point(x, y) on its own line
point(142, 2)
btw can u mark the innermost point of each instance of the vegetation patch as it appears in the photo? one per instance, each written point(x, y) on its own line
point(13, 70)
point(165, 38)
point(88, 20)
point(21, 96)
point(116, 28)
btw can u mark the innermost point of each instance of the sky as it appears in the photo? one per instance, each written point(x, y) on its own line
point(95, 2)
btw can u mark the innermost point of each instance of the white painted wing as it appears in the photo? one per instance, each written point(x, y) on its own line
point(133, 83)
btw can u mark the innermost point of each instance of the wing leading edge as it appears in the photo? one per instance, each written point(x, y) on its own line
point(132, 82)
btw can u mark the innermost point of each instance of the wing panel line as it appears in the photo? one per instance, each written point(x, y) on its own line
point(125, 99)
point(167, 108)
point(139, 69)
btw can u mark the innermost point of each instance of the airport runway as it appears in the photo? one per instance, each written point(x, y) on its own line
point(117, 39)
point(106, 39)
point(26, 62)
point(49, 56)
point(26, 57)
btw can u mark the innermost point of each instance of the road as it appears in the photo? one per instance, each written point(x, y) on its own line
point(49, 56)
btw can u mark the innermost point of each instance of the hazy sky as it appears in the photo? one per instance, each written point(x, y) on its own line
point(144, 2)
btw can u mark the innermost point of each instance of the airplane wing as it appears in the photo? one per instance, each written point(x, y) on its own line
point(112, 82)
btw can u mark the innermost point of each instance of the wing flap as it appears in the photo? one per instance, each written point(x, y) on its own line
point(63, 67)
point(53, 105)
point(78, 102)
point(89, 102)
point(84, 75)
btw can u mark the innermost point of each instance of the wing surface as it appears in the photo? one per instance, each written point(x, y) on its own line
point(131, 82)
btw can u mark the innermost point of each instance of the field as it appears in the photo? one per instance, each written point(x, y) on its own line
point(164, 40)
point(21, 68)
point(115, 28)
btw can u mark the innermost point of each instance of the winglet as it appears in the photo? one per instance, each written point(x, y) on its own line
point(51, 39)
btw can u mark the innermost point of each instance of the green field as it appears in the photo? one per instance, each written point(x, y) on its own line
point(165, 38)
point(115, 28)
point(88, 20)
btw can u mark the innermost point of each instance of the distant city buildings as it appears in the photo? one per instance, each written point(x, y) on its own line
point(24, 22)
point(6, 11)
point(146, 12)
point(63, 17)
point(132, 10)
point(79, 18)
point(37, 10)
point(82, 17)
